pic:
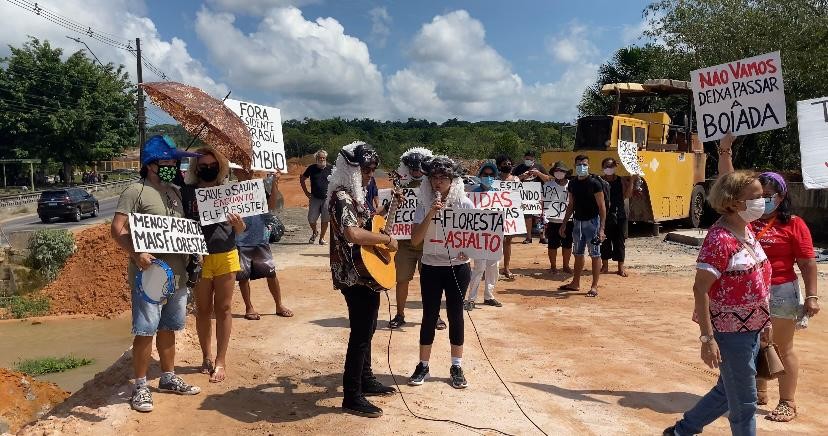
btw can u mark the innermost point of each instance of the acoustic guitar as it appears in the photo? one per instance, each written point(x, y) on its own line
point(376, 262)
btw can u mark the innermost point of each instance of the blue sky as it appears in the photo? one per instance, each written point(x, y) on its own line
point(382, 59)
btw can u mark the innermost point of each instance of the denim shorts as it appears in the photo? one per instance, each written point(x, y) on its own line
point(583, 233)
point(148, 318)
point(786, 301)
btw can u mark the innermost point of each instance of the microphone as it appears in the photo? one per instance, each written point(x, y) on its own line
point(438, 196)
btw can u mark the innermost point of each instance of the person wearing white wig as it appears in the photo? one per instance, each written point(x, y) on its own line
point(407, 260)
point(440, 272)
point(355, 165)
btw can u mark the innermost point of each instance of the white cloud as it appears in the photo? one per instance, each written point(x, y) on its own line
point(256, 7)
point(121, 18)
point(454, 73)
point(380, 25)
point(572, 45)
point(308, 68)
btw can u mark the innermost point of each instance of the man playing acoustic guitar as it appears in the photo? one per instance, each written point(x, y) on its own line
point(355, 164)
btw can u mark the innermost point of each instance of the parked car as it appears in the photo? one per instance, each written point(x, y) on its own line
point(71, 203)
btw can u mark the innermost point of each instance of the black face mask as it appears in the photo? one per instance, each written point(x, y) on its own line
point(506, 169)
point(208, 174)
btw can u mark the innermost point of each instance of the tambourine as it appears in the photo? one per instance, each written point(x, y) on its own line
point(156, 283)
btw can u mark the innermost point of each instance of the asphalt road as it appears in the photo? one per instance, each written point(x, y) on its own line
point(32, 222)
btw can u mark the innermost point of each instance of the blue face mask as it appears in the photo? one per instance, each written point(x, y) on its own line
point(487, 180)
point(770, 204)
point(582, 170)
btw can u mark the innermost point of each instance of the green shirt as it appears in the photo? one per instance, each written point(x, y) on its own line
point(142, 197)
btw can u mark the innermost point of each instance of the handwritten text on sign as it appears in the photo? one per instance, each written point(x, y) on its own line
point(530, 198)
point(506, 201)
point(813, 137)
point(555, 200)
point(245, 198)
point(742, 97)
point(478, 234)
point(165, 234)
point(265, 125)
point(403, 220)
point(628, 155)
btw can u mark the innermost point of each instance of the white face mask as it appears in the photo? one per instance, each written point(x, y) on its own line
point(609, 171)
point(560, 175)
point(755, 210)
point(529, 162)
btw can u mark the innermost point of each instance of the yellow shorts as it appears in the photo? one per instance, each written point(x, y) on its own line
point(219, 264)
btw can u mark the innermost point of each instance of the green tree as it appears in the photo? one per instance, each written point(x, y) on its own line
point(71, 111)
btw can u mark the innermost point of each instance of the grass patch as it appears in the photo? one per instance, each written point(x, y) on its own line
point(25, 306)
point(49, 365)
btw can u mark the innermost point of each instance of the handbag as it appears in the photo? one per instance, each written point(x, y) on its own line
point(768, 363)
point(275, 228)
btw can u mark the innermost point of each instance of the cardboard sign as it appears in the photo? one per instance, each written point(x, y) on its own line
point(477, 234)
point(628, 155)
point(812, 116)
point(742, 97)
point(166, 234)
point(506, 201)
point(555, 200)
point(403, 219)
point(265, 125)
point(530, 198)
point(510, 185)
point(245, 198)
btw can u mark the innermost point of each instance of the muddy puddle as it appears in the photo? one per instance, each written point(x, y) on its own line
point(103, 340)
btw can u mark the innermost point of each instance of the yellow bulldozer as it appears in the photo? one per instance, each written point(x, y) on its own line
point(670, 154)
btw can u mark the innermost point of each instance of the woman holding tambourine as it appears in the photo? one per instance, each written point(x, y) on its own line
point(214, 292)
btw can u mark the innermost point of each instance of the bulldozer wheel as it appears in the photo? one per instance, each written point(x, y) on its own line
point(697, 199)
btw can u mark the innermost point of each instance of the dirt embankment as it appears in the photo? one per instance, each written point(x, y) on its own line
point(24, 399)
point(93, 281)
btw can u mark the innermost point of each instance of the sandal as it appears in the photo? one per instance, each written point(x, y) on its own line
point(592, 293)
point(397, 322)
point(284, 313)
point(784, 412)
point(252, 316)
point(441, 325)
point(508, 274)
point(568, 287)
point(207, 367)
point(215, 377)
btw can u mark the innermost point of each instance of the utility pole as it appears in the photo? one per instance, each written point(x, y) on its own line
point(142, 125)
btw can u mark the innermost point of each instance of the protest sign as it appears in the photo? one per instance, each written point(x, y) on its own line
point(476, 233)
point(245, 198)
point(555, 200)
point(403, 219)
point(813, 138)
point(165, 234)
point(628, 155)
point(506, 201)
point(265, 125)
point(530, 198)
point(741, 97)
point(508, 185)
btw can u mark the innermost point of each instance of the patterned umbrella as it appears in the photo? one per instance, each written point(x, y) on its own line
point(205, 117)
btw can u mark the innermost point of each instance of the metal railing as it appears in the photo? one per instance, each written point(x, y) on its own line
point(32, 197)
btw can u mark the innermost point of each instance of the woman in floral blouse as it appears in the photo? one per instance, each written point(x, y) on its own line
point(731, 292)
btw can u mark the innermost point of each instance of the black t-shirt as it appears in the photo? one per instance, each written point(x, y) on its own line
point(616, 199)
point(522, 168)
point(318, 180)
point(583, 193)
point(220, 237)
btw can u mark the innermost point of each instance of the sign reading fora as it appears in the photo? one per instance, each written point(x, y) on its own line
point(265, 125)
point(745, 96)
point(165, 234)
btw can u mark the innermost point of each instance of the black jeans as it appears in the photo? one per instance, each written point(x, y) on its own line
point(433, 281)
point(363, 305)
point(613, 246)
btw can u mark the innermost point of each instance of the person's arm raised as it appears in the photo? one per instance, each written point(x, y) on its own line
point(725, 150)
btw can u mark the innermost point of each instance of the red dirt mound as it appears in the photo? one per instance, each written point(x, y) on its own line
point(24, 399)
point(93, 281)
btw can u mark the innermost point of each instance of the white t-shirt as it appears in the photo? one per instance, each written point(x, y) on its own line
point(555, 200)
point(441, 259)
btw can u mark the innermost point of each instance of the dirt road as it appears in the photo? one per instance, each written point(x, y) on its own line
point(625, 363)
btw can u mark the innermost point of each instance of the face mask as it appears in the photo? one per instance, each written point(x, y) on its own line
point(582, 170)
point(609, 171)
point(487, 180)
point(417, 179)
point(529, 162)
point(755, 210)
point(167, 173)
point(559, 175)
point(506, 169)
point(771, 204)
point(208, 174)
